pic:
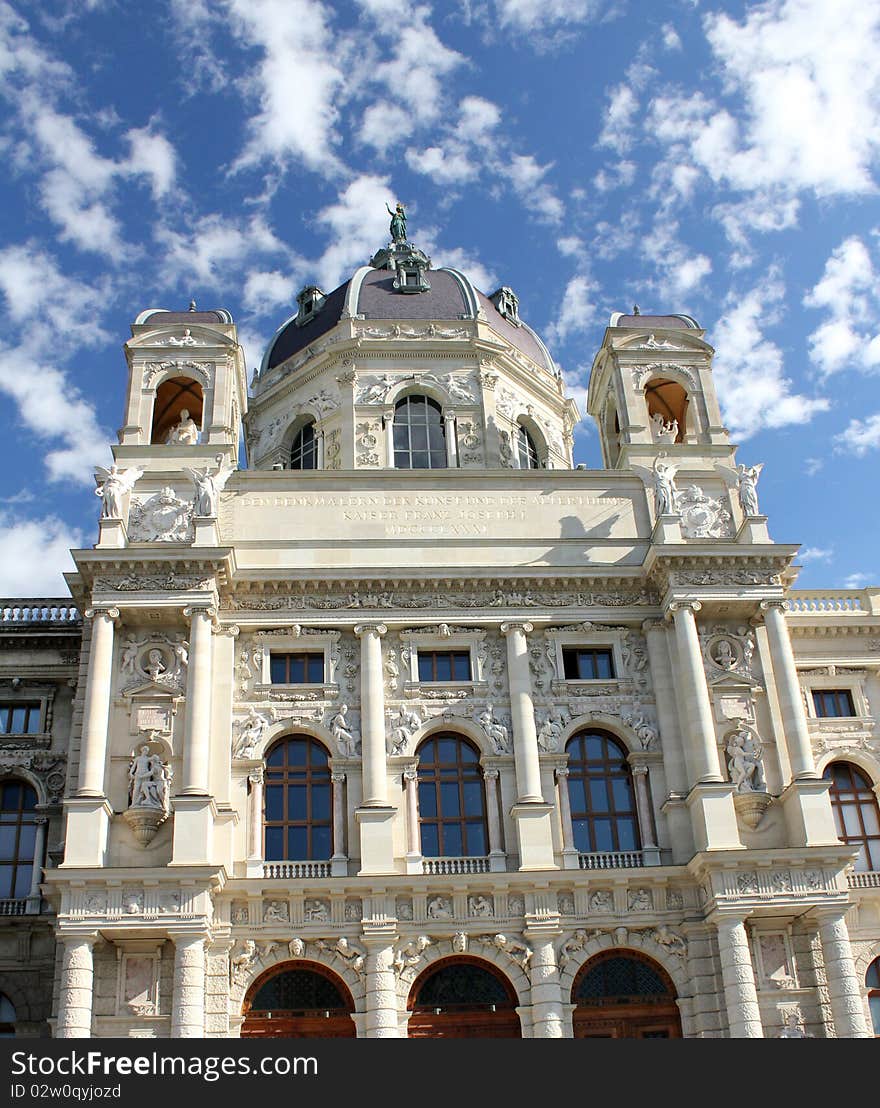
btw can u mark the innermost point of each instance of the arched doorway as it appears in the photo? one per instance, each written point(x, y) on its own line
point(463, 998)
point(298, 1000)
point(624, 995)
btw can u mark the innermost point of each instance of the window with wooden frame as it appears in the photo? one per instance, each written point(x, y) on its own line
point(18, 833)
point(20, 719)
point(452, 799)
point(302, 667)
point(419, 434)
point(444, 665)
point(856, 813)
point(600, 792)
point(872, 983)
point(304, 451)
point(298, 815)
point(588, 663)
point(833, 703)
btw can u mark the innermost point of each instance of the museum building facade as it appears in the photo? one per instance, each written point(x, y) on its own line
point(410, 727)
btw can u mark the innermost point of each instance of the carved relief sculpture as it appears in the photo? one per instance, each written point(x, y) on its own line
point(148, 794)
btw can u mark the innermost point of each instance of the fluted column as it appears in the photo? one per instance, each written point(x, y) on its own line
point(381, 994)
point(411, 789)
point(702, 749)
point(522, 710)
point(547, 1000)
point(373, 715)
point(188, 1001)
point(196, 744)
point(788, 690)
point(76, 990)
point(96, 708)
point(843, 985)
point(255, 846)
point(738, 975)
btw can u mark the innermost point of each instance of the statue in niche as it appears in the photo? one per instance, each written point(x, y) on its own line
point(744, 751)
point(398, 223)
point(129, 655)
point(156, 667)
point(408, 722)
point(495, 731)
point(209, 486)
point(724, 654)
point(663, 430)
point(748, 488)
point(149, 779)
point(276, 912)
point(115, 484)
point(252, 728)
point(184, 433)
point(345, 739)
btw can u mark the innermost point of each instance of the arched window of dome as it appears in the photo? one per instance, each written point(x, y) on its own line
point(872, 984)
point(304, 451)
point(527, 452)
point(297, 813)
point(667, 410)
point(177, 412)
point(18, 836)
point(452, 799)
point(856, 814)
point(7, 1017)
point(419, 434)
point(600, 793)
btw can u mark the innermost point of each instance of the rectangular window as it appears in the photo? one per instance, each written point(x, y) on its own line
point(829, 703)
point(587, 663)
point(444, 665)
point(19, 719)
point(296, 669)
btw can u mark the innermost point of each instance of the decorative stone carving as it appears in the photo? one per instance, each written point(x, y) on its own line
point(348, 744)
point(516, 905)
point(702, 516)
point(601, 900)
point(250, 732)
point(162, 517)
point(151, 582)
point(347, 951)
point(793, 1023)
point(674, 900)
point(354, 910)
point(132, 902)
point(408, 955)
point(376, 389)
point(747, 488)
point(239, 915)
point(403, 908)
point(496, 732)
point(459, 943)
point(670, 940)
point(276, 911)
point(550, 731)
point(200, 371)
point(367, 443)
point(148, 795)
point(209, 486)
point(243, 956)
point(185, 432)
point(316, 911)
point(744, 764)
point(154, 659)
point(636, 718)
point(663, 430)
point(726, 653)
point(480, 906)
point(665, 492)
point(516, 950)
point(392, 671)
point(432, 331)
point(571, 946)
point(115, 484)
point(439, 907)
point(640, 900)
point(323, 402)
point(401, 733)
point(565, 903)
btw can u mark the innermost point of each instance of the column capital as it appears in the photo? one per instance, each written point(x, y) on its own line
point(831, 913)
point(653, 625)
point(189, 938)
point(775, 602)
point(411, 772)
point(525, 627)
point(192, 610)
point(255, 777)
point(491, 774)
point(637, 769)
point(562, 773)
point(102, 610)
point(377, 629)
point(684, 606)
point(337, 775)
point(729, 918)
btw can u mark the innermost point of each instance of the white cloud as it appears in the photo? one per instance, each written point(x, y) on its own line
point(34, 288)
point(749, 370)
point(847, 292)
point(446, 167)
point(34, 553)
point(214, 251)
point(859, 437)
point(385, 125)
point(857, 580)
point(153, 156)
point(419, 61)
point(526, 177)
point(265, 290)
point(813, 465)
point(358, 224)
point(679, 270)
point(671, 38)
point(816, 554)
point(570, 246)
point(618, 121)
point(577, 312)
point(539, 15)
point(470, 265)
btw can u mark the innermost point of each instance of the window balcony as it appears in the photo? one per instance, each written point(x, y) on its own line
point(864, 879)
point(287, 870)
point(437, 867)
point(617, 859)
point(17, 907)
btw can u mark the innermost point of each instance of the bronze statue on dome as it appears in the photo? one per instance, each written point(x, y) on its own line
point(398, 223)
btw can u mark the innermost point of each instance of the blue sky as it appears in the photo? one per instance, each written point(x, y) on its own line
point(718, 159)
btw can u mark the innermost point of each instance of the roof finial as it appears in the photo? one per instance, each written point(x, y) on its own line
point(636, 310)
point(192, 305)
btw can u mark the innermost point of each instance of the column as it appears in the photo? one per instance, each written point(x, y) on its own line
point(96, 709)
point(388, 420)
point(75, 994)
point(339, 860)
point(197, 736)
point(373, 714)
point(547, 1002)
point(570, 858)
point(33, 907)
point(319, 448)
point(381, 994)
point(650, 849)
point(843, 984)
point(255, 844)
point(188, 1002)
point(411, 790)
point(702, 747)
point(738, 975)
point(522, 710)
point(788, 689)
point(451, 440)
point(497, 857)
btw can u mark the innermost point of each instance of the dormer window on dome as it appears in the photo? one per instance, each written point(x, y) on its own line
point(310, 301)
point(507, 303)
point(410, 267)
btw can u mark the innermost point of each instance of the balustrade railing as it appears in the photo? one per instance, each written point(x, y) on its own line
point(437, 867)
point(864, 880)
point(806, 602)
point(286, 870)
point(13, 907)
point(617, 859)
point(38, 610)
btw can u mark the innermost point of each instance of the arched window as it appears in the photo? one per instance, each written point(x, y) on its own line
point(526, 450)
point(173, 397)
point(461, 998)
point(855, 812)
point(298, 813)
point(304, 452)
point(624, 995)
point(667, 410)
point(872, 983)
point(452, 801)
point(7, 1017)
point(299, 1000)
point(600, 793)
point(18, 833)
point(419, 434)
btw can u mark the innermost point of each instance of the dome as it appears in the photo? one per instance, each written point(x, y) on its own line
point(371, 294)
point(162, 317)
point(657, 322)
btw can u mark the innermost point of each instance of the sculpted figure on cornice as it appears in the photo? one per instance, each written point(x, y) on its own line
point(152, 582)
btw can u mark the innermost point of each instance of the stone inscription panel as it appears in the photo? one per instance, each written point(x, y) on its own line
point(424, 515)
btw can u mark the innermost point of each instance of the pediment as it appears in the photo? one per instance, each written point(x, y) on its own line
point(661, 343)
point(180, 338)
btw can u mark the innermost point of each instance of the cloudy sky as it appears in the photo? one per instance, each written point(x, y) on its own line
point(714, 158)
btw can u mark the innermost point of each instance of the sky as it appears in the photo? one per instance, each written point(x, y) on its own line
point(716, 159)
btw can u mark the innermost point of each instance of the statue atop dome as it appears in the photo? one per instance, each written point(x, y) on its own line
point(398, 223)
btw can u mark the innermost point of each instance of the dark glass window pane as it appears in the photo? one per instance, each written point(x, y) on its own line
point(602, 836)
point(19, 716)
point(452, 839)
point(595, 749)
point(621, 793)
point(297, 802)
point(419, 438)
point(476, 839)
point(276, 756)
point(427, 800)
point(426, 667)
point(430, 841)
point(598, 796)
point(626, 835)
point(278, 669)
point(274, 843)
point(23, 880)
point(297, 842)
point(296, 673)
point(443, 668)
point(26, 841)
point(603, 664)
point(581, 831)
point(321, 848)
point(473, 797)
point(462, 667)
point(447, 750)
point(320, 802)
point(274, 802)
point(316, 669)
point(8, 836)
point(6, 878)
point(449, 798)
